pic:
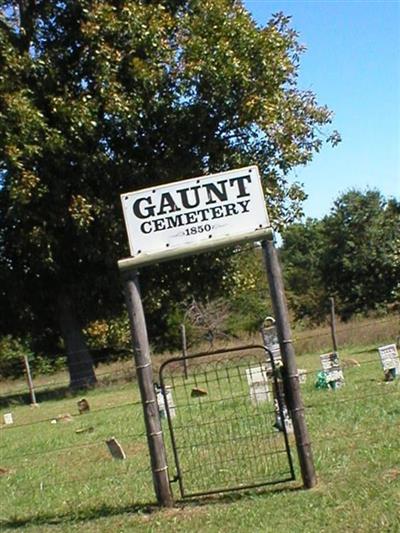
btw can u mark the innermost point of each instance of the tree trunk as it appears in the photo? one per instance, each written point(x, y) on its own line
point(80, 363)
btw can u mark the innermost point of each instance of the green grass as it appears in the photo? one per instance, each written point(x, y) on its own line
point(57, 480)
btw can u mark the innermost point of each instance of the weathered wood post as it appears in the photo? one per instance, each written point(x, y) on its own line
point(290, 374)
point(29, 380)
point(144, 373)
point(184, 350)
point(333, 325)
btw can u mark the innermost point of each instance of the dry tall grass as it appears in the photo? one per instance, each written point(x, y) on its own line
point(360, 332)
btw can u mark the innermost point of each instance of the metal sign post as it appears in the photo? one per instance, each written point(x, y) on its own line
point(144, 374)
point(290, 373)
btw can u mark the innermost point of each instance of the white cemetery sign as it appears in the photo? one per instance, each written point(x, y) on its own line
point(390, 358)
point(257, 380)
point(194, 215)
point(331, 366)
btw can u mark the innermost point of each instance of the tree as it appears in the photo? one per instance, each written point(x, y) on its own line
point(361, 265)
point(351, 254)
point(302, 253)
point(97, 98)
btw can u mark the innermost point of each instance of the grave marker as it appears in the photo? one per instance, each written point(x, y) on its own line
point(331, 366)
point(390, 359)
point(83, 406)
point(257, 380)
point(8, 418)
point(115, 448)
point(270, 339)
point(161, 402)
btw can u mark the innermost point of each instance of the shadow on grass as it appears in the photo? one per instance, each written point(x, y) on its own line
point(60, 391)
point(232, 497)
point(89, 514)
point(23, 398)
point(105, 511)
point(47, 393)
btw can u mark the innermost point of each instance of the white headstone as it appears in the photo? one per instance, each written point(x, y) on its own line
point(8, 418)
point(390, 358)
point(302, 375)
point(257, 380)
point(161, 403)
point(331, 366)
point(270, 337)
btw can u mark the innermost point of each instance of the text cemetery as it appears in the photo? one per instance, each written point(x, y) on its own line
point(183, 213)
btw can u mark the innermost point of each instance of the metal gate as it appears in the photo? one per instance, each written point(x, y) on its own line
point(226, 421)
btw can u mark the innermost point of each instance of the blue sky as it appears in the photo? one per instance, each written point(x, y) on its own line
point(352, 64)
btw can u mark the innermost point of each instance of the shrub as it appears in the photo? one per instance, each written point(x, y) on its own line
point(12, 351)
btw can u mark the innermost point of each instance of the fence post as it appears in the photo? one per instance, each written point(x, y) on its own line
point(184, 350)
point(333, 325)
point(29, 380)
point(144, 374)
point(290, 374)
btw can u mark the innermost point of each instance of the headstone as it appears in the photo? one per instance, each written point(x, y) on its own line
point(8, 418)
point(83, 406)
point(161, 402)
point(333, 371)
point(390, 360)
point(66, 417)
point(302, 375)
point(270, 339)
point(89, 429)
point(286, 418)
point(115, 448)
point(197, 392)
point(257, 380)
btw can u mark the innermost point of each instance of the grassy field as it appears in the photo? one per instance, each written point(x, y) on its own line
point(57, 474)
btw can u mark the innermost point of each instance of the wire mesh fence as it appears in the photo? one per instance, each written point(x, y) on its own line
point(224, 439)
point(223, 422)
point(362, 332)
point(61, 464)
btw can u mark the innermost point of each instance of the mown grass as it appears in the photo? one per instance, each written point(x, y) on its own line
point(55, 479)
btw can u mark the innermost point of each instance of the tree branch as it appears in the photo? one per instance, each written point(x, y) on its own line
point(27, 20)
point(15, 41)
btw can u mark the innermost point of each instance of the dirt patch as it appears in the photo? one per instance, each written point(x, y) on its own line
point(392, 474)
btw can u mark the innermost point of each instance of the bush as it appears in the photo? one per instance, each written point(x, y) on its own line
point(12, 351)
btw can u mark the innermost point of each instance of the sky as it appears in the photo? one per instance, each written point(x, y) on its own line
point(352, 64)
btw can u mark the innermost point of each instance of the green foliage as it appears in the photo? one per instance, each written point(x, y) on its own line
point(301, 254)
point(361, 262)
point(12, 351)
point(40, 364)
point(97, 98)
point(113, 334)
point(351, 254)
point(247, 291)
